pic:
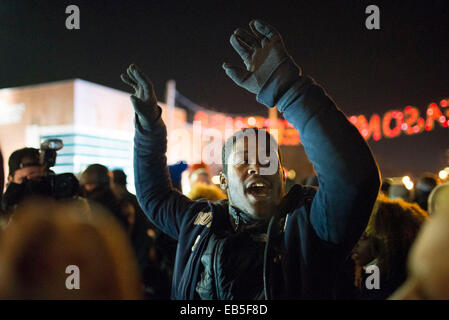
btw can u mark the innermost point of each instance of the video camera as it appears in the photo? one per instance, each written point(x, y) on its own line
point(57, 186)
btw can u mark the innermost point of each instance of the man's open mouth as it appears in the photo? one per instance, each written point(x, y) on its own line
point(259, 189)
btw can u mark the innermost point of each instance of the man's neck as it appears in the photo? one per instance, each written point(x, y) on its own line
point(241, 220)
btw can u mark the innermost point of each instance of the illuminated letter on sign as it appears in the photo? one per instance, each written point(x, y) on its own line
point(398, 118)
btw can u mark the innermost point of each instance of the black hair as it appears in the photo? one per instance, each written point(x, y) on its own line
point(119, 177)
point(231, 141)
point(98, 174)
point(16, 158)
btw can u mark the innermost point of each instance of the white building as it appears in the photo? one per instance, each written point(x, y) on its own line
point(96, 124)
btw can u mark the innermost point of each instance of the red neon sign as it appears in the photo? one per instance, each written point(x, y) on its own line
point(391, 125)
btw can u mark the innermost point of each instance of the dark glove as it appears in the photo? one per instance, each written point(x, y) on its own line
point(262, 52)
point(144, 99)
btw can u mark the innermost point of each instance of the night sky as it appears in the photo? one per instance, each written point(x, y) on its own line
point(406, 62)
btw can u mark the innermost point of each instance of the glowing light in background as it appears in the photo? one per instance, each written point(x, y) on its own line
point(392, 124)
point(443, 174)
point(395, 117)
point(291, 174)
point(216, 179)
point(409, 185)
point(252, 121)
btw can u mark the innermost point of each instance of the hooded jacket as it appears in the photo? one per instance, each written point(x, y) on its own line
point(316, 237)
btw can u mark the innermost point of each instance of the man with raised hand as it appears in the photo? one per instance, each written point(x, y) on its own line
point(261, 243)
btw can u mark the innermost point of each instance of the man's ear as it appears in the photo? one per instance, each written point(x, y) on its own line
point(223, 182)
point(10, 178)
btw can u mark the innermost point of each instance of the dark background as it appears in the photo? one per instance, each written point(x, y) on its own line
point(406, 62)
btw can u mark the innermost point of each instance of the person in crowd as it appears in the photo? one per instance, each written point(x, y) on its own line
point(201, 185)
point(439, 199)
point(200, 172)
point(428, 274)
point(96, 186)
point(201, 190)
point(138, 222)
point(29, 178)
point(424, 186)
point(144, 236)
point(260, 243)
point(51, 251)
point(23, 166)
point(391, 230)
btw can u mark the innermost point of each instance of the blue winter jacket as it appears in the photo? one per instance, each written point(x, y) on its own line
point(317, 237)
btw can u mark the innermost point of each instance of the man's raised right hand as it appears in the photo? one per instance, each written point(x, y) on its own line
point(144, 99)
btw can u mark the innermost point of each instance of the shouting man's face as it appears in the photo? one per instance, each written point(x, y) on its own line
point(254, 177)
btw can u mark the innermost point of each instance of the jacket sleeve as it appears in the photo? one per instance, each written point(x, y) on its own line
point(164, 206)
point(347, 173)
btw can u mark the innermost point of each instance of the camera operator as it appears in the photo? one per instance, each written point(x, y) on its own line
point(30, 176)
point(24, 164)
